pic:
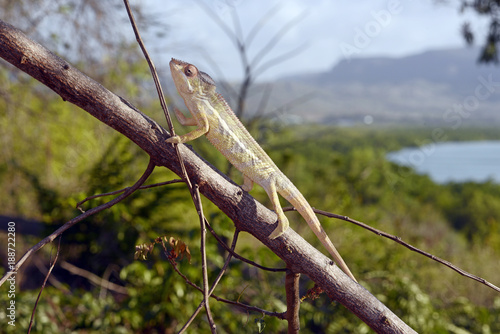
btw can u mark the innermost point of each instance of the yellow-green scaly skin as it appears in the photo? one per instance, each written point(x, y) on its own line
point(215, 119)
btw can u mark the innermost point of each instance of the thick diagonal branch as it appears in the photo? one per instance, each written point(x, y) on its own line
point(247, 214)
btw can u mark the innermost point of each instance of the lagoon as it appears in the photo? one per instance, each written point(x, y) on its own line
point(476, 161)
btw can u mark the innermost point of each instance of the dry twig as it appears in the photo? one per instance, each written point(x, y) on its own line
point(79, 204)
point(236, 255)
point(194, 191)
point(78, 219)
point(93, 278)
point(43, 285)
point(405, 244)
point(292, 301)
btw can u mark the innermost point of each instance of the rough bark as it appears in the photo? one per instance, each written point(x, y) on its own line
point(247, 214)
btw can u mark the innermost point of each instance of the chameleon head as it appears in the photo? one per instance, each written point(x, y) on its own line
point(189, 80)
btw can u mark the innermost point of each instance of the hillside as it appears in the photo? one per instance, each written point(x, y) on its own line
point(423, 89)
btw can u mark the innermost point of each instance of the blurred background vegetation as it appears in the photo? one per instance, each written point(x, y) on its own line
point(54, 155)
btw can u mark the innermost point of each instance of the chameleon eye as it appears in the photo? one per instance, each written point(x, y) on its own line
point(190, 71)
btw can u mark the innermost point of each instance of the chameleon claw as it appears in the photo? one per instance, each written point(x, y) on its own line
point(277, 232)
point(174, 140)
point(280, 229)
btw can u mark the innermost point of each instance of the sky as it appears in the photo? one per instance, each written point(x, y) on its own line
point(321, 33)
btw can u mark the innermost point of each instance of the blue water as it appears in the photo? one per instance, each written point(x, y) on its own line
point(476, 161)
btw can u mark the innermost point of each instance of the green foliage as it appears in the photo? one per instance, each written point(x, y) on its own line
point(475, 209)
point(489, 9)
point(55, 155)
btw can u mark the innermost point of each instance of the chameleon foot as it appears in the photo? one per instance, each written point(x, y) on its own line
point(280, 229)
point(173, 140)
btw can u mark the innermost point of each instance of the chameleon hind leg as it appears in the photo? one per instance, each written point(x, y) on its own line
point(247, 183)
point(282, 220)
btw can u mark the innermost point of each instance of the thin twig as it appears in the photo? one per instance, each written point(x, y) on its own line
point(274, 40)
point(151, 67)
point(40, 264)
point(43, 285)
point(405, 244)
point(236, 255)
point(267, 17)
point(226, 263)
point(79, 204)
point(279, 315)
point(204, 269)
point(214, 284)
point(159, 90)
point(261, 108)
point(254, 67)
point(68, 224)
point(93, 278)
point(195, 195)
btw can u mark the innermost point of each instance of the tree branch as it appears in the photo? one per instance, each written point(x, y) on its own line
point(77, 219)
point(292, 301)
point(93, 278)
point(247, 214)
point(405, 244)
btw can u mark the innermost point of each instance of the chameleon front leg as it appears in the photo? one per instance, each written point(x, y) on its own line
point(282, 220)
point(186, 121)
point(201, 122)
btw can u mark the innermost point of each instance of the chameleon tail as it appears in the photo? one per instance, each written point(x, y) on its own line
point(294, 197)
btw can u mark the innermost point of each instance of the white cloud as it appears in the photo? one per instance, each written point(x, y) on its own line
point(415, 27)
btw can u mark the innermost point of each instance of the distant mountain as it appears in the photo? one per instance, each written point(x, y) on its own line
point(418, 89)
point(456, 67)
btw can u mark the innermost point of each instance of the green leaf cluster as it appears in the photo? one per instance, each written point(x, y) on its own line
point(54, 155)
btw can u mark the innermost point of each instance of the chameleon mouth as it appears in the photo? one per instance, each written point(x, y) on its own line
point(178, 62)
